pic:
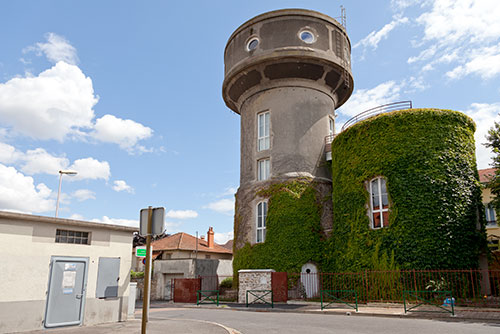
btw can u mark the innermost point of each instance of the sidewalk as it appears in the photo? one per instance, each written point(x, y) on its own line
point(371, 309)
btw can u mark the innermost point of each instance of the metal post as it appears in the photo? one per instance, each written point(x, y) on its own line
point(58, 193)
point(147, 276)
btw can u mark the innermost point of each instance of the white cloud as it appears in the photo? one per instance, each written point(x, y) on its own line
point(452, 21)
point(230, 191)
point(56, 49)
point(90, 168)
point(402, 4)
point(117, 221)
point(484, 62)
point(83, 194)
point(222, 238)
point(76, 216)
point(40, 161)
point(225, 206)
point(58, 103)
point(373, 39)
point(124, 132)
point(19, 192)
point(8, 153)
point(52, 105)
point(364, 99)
point(463, 33)
point(484, 115)
point(120, 185)
point(181, 214)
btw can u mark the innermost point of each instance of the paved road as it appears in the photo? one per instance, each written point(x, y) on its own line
point(291, 323)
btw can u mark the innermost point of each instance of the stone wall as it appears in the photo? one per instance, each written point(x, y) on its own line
point(254, 279)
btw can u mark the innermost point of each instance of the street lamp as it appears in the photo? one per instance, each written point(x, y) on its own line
point(61, 172)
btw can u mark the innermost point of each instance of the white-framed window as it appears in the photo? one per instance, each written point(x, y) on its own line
point(491, 216)
point(379, 203)
point(263, 122)
point(261, 221)
point(331, 126)
point(263, 169)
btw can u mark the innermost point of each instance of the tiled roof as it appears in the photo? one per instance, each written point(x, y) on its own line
point(485, 175)
point(184, 241)
point(228, 245)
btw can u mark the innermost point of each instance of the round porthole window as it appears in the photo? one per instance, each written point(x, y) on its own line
point(252, 43)
point(307, 36)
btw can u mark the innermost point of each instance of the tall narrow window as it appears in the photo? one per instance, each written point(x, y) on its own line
point(331, 129)
point(261, 221)
point(379, 203)
point(491, 217)
point(263, 131)
point(263, 169)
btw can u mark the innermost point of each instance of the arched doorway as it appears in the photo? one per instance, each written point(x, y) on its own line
point(310, 280)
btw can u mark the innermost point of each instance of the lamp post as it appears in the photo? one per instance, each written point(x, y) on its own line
point(61, 172)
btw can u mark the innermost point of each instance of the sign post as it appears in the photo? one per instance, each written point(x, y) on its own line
point(147, 276)
point(152, 221)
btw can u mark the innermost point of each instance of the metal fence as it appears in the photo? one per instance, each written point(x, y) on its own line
point(469, 287)
point(377, 110)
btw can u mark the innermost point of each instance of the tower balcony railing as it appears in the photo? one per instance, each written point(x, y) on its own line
point(377, 110)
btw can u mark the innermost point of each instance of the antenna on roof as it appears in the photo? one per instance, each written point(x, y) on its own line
point(343, 18)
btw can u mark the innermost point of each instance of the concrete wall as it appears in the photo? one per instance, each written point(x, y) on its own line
point(299, 124)
point(27, 247)
point(254, 279)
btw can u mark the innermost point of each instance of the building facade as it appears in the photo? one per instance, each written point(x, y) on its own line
point(182, 255)
point(492, 228)
point(379, 195)
point(59, 272)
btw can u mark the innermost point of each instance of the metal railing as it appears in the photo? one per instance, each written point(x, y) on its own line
point(471, 287)
point(377, 110)
point(437, 300)
point(207, 297)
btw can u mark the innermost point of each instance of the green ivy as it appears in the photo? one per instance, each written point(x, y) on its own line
point(293, 231)
point(427, 157)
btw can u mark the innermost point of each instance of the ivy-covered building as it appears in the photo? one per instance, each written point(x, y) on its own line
point(396, 190)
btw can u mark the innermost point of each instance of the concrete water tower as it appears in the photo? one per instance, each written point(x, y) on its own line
point(286, 72)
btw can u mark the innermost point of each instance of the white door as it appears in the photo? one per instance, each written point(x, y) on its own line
point(310, 280)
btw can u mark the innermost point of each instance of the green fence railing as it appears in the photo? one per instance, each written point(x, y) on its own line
point(339, 296)
point(442, 300)
point(207, 297)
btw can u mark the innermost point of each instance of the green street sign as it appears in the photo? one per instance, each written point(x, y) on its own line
point(140, 251)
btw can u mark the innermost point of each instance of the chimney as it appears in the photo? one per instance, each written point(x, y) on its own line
point(210, 237)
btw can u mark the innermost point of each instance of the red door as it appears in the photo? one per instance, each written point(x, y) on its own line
point(185, 289)
point(279, 285)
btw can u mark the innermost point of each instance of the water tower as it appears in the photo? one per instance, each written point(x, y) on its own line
point(286, 72)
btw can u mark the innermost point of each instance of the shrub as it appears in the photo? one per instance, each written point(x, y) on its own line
point(227, 283)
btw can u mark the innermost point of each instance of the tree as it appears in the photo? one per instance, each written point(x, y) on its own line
point(494, 143)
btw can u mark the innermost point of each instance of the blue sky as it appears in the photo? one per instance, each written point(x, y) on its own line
point(128, 93)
